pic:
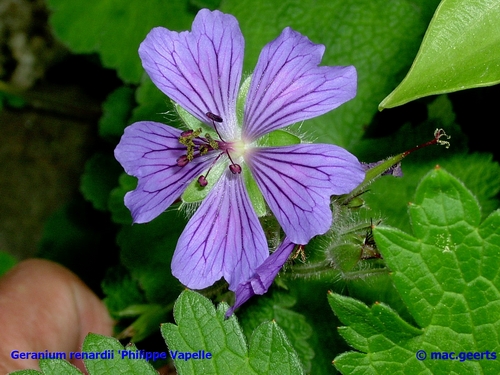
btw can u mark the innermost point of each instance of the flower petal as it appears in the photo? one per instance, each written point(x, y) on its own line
point(200, 70)
point(263, 277)
point(297, 182)
point(149, 151)
point(288, 86)
point(224, 238)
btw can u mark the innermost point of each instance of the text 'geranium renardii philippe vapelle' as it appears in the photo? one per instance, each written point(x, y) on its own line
point(201, 71)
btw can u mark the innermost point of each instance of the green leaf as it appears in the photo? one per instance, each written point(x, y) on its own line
point(7, 261)
point(99, 179)
point(75, 236)
point(26, 372)
point(379, 40)
point(121, 291)
point(460, 50)
point(278, 307)
point(310, 294)
point(448, 275)
point(116, 112)
point(153, 105)
point(101, 355)
point(201, 328)
point(118, 364)
point(152, 272)
point(149, 318)
point(114, 29)
point(8, 98)
point(120, 214)
point(57, 367)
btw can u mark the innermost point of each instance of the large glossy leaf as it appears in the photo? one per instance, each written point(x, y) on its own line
point(460, 50)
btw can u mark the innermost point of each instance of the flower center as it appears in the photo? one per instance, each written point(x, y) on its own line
point(198, 146)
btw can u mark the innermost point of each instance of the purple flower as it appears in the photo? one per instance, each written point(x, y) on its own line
point(201, 71)
point(263, 277)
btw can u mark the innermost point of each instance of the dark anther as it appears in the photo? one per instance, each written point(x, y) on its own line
point(235, 168)
point(214, 117)
point(182, 160)
point(202, 181)
point(203, 149)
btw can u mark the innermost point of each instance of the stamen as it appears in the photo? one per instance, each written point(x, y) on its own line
point(202, 181)
point(212, 142)
point(235, 168)
point(214, 117)
point(182, 160)
point(186, 139)
point(203, 149)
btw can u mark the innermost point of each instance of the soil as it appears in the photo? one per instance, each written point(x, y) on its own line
point(44, 144)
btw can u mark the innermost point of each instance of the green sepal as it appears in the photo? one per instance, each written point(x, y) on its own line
point(258, 202)
point(346, 256)
point(192, 122)
point(195, 193)
point(278, 138)
point(242, 98)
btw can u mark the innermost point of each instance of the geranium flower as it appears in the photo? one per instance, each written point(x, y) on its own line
point(201, 71)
